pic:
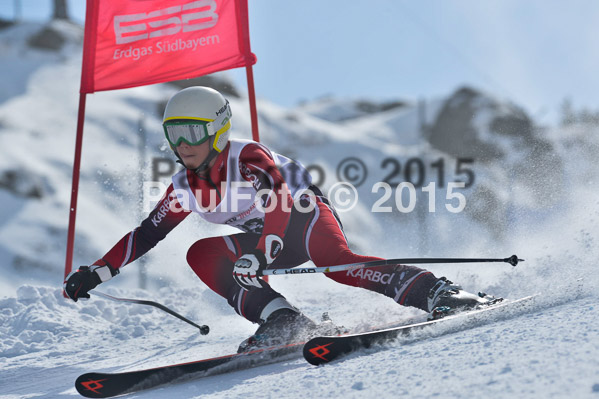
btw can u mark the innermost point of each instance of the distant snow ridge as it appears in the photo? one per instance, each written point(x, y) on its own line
point(27, 47)
point(336, 110)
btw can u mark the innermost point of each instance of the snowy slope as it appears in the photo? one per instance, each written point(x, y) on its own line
point(549, 352)
point(46, 342)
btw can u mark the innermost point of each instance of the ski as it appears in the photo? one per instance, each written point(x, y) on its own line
point(320, 350)
point(104, 385)
point(317, 351)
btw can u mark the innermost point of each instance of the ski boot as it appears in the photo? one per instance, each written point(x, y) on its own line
point(287, 326)
point(284, 326)
point(448, 298)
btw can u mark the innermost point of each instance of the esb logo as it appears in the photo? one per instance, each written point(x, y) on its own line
point(195, 15)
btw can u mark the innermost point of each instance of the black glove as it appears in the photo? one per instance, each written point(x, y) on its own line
point(80, 282)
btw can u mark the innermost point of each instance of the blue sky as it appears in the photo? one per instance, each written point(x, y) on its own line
point(534, 53)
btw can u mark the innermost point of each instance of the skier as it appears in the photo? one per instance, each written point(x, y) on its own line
point(285, 220)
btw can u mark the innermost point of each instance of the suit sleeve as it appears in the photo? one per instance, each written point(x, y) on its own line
point(257, 166)
point(164, 217)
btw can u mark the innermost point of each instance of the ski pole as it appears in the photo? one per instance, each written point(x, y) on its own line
point(512, 260)
point(203, 329)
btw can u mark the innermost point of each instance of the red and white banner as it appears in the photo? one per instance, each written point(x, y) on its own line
point(132, 43)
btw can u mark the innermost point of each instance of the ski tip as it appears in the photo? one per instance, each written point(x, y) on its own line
point(317, 352)
point(321, 350)
point(91, 385)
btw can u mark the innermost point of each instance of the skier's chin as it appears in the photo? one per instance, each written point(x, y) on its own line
point(192, 162)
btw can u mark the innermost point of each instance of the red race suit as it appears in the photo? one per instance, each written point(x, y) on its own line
point(245, 175)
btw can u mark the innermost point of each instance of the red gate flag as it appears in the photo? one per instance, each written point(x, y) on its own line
point(132, 43)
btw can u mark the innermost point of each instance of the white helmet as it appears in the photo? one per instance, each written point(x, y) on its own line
point(196, 114)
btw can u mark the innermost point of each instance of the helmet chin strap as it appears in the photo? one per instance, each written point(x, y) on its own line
point(204, 165)
point(211, 155)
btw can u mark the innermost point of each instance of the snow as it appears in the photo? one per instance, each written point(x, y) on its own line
point(551, 350)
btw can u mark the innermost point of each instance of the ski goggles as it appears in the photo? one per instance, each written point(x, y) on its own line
point(195, 131)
